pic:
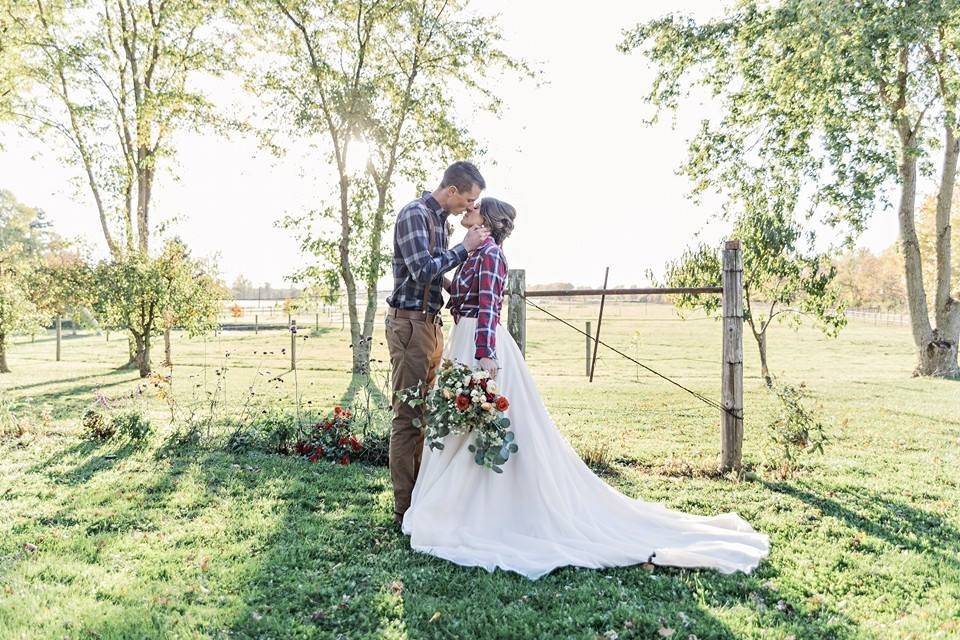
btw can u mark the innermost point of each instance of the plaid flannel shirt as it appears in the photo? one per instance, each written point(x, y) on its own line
point(477, 292)
point(413, 265)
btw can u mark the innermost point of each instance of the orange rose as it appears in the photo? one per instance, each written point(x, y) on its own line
point(502, 404)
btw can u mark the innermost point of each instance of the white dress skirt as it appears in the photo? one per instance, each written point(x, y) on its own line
point(548, 509)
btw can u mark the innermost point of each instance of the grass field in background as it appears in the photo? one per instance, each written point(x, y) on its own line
point(865, 539)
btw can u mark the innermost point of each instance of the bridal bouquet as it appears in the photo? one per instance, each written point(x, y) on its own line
point(466, 401)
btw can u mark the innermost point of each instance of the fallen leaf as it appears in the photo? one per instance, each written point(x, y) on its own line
point(665, 632)
point(435, 617)
point(29, 548)
point(396, 587)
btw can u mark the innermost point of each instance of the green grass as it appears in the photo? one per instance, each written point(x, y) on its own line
point(865, 539)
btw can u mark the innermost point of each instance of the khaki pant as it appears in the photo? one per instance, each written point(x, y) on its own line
point(416, 347)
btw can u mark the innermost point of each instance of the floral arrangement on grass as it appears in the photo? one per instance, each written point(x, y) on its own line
point(331, 439)
point(464, 401)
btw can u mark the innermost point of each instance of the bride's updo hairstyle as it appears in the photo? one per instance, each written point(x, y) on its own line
point(498, 216)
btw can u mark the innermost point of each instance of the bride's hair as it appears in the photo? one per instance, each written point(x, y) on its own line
point(499, 217)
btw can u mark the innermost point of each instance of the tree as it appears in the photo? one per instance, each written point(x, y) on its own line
point(783, 279)
point(62, 285)
point(846, 98)
point(376, 81)
point(24, 238)
point(135, 292)
point(111, 82)
point(193, 301)
point(868, 280)
point(18, 313)
point(242, 288)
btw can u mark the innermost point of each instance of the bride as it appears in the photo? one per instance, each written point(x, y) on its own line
point(547, 509)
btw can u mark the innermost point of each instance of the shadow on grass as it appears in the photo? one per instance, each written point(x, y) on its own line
point(87, 459)
point(45, 383)
point(333, 564)
point(877, 515)
point(72, 401)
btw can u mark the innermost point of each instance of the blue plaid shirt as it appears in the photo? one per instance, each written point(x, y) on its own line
point(413, 265)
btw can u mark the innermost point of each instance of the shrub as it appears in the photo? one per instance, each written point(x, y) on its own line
point(795, 429)
point(96, 425)
point(331, 438)
point(132, 425)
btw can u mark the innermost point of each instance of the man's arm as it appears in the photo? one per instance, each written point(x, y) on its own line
point(413, 237)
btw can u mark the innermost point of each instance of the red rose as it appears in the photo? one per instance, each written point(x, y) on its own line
point(491, 397)
point(463, 402)
point(483, 383)
point(502, 404)
point(337, 410)
point(345, 460)
point(321, 451)
point(343, 441)
point(354, 444)
point(327, 426)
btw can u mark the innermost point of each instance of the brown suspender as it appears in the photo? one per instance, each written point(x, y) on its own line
point(432, 229)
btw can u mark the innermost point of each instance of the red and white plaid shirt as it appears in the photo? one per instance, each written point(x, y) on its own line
point(477, 292)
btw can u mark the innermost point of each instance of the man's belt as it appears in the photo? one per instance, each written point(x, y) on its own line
point(410, 314)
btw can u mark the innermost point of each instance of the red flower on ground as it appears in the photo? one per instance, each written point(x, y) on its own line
point(463, 402)
point(502, 404)
point(354, 444)
point(491, 397)
point(337, 410)
point(343, 441)
point(345, 460)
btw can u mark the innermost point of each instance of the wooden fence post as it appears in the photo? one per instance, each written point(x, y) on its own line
point(731, 450)
point(588, 348)
point(293, 345)
point(517, 312)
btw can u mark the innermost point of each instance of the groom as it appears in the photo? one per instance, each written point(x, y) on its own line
point(414, 336)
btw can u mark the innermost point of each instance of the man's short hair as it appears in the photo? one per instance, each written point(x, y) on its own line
point(463, 175)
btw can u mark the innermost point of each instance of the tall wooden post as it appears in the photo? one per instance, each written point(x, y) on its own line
point(588, 348)
point(293, 345)
point(59, 335)
point(731, 419)
point(517, 311)
point(256, 323)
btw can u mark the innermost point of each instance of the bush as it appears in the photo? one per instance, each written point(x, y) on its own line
point(132, 425)
point(272, 430)
point(795, 430)
point(331, 438)
point(97, 426)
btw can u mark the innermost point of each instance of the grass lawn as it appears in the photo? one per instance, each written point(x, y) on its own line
point(111, 541)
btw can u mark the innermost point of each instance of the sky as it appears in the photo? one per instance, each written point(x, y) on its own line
point(594, 186)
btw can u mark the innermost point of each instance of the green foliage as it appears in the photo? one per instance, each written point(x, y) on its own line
point(108, 85)
point(375, 82)
point(143, 295)
point(795, 429)
point(96, 425)
point(131, 425)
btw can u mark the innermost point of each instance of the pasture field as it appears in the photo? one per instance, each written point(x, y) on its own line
point(113, 541)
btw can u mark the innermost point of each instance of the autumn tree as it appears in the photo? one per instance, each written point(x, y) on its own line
point(374, 81)
point(847, 98)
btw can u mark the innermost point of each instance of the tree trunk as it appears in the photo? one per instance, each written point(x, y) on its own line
point(938, 357)
point(761, 338)
point(923, 334)
point(143, 357)
point(3, 354)
point(167, 357)
point(133, 351)
point(356, 335)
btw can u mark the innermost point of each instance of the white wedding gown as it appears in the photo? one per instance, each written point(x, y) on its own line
point(547, 509)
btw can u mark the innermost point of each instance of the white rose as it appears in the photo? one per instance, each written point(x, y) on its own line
point(466, 381)
point(491, 387)
point(480, 375)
